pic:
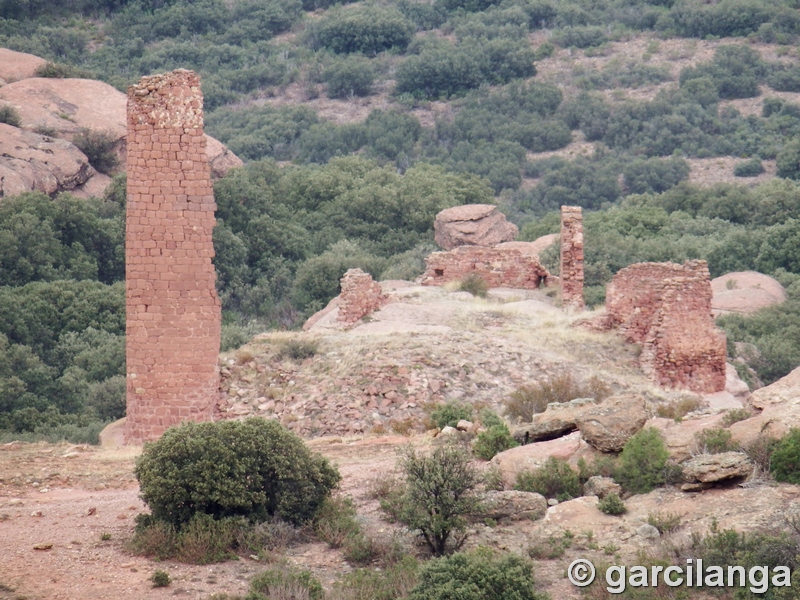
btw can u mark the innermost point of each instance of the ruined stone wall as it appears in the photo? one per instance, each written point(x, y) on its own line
point(172, 309)
point(571, 273)
point(666, 307)
point(360, 296)
point(499, 267)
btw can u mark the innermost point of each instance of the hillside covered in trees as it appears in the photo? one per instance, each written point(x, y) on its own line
point(359, 122)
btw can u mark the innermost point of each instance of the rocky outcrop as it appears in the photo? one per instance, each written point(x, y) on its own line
point(512, 505)
point(18, 65)
point(497, 267)
point(30, 162)
point(63, 108)
point(607, 427)
point(360, 296)
point(559, 418)
point(601, 487)
point(666, 307)
point(680, 437)
point(779, 404)
point(745, 292)
point(532, 456)
point(472, 225)
point(709, 468)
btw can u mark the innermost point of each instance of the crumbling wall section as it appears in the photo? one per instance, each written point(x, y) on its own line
point(360, 296)
point(498, 267)
point(172, 308)
point(571, 270)
point(666, 307)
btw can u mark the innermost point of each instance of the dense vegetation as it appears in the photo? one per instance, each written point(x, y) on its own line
point(364, 193)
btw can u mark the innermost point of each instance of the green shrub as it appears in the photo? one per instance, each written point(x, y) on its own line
point(477, 575)
point(529, 400)
point(475, 285)
point(285, 582)
point(551, 547)
point(451, 413)
point(554, 479)
point(643, 462)
point(580, 37)
point(439, 495)
point(298, 349)
point(749, 168)
point(9, 115)
point(715, 441)
point(785, 463)
point(204, 540)
point(392, 583)
point(664, 522)
point(678, 409)
point(351, 76)
point(160, 578)
point(253, 468)
point(98, 146)
point(365, 29)
point(760, 451)
point(612, 504)
point(61, 71)
point(492, 441)
point(735, 415)
point(336, 521)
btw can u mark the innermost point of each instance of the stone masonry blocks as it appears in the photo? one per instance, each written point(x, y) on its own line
point(498, 267)
point(666, 307)
point(571, 272)
point(172, 309)
point(361, 295)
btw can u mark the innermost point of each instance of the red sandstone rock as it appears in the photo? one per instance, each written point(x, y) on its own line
point(472, 225)
point(571, 273)
point(18, 65)
point(29, 162)
point(745, 292)
point(497, 267)
point(666, 307)
point(172, 308)
point(360, 296)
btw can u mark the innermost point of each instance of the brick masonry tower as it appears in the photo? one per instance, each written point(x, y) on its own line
point(572, 258)
point(172, 308)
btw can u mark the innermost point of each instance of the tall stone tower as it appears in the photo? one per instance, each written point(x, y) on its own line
point(571, 273)
point(172, 308)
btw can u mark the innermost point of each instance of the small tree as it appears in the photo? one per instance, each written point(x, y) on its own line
point(643, 462)
point(785, 464)
point(439, 495)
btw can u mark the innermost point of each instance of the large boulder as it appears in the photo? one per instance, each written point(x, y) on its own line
point(29, 161)
point(18, 65)
point(680, 436)
point(708, 468)
point(534, 248)
point(601, 487)
point(532, 456)
point(472, 225)
point(559, 418)
point(608, 426)
point(779, 404)
point(745, 292)
point(62, 108)
point(513, 505)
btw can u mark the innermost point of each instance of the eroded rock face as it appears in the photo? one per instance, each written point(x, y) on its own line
point(607, 427)
point(559, 418)
point(472, 225)
point(680, 436)
point(779, 404)
point(33, 162)
point(513, 505)
point(532, 456)
point(745, 292)
point(63, 108)
point(18, 65)
point(708, 468)
point(601, 487)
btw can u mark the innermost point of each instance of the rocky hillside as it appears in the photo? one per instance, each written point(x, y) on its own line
point(47, 122)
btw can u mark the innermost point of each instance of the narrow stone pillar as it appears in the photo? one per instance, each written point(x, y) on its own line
point(572, 258)
point(172, 309)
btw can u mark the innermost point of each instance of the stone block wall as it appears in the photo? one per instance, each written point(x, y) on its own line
point(172, 308)
point(571, 273)
point(666, 307)
point(498, 267)
point(360, 296)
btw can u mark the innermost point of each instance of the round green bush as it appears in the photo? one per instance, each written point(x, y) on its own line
point(643, 462)
point(749, 168)
point(494, 440)
point(476, 575)
point(785, 463)
point(612, 505)
point(253, 468)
